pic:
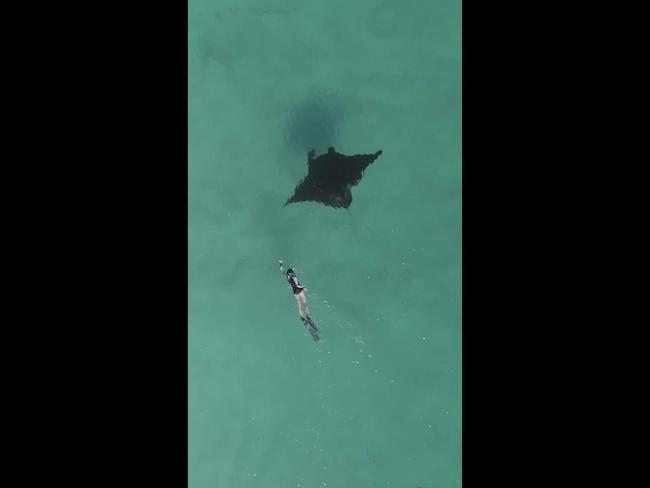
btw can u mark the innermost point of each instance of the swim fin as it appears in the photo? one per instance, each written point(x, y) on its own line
point(311, 327)
point(311, 322)
point(314, 334)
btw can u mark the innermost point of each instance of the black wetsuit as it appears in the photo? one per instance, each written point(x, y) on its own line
point(295, 284)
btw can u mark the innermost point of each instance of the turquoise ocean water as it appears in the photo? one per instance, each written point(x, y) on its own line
point(377, 402)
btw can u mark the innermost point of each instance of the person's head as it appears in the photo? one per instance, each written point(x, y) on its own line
point(290, 271)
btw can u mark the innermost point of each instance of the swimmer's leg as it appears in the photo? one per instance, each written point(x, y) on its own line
point(305, 309)
point(301, 313)
point(303, 299)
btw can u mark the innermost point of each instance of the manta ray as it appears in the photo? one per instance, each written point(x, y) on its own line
point(330, 178)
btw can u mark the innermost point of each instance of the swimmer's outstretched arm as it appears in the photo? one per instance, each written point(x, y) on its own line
point(281, 269)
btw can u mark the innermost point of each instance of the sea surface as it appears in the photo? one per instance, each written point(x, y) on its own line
point(377, 402)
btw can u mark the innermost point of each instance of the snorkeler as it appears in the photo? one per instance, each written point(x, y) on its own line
point(301, 301)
